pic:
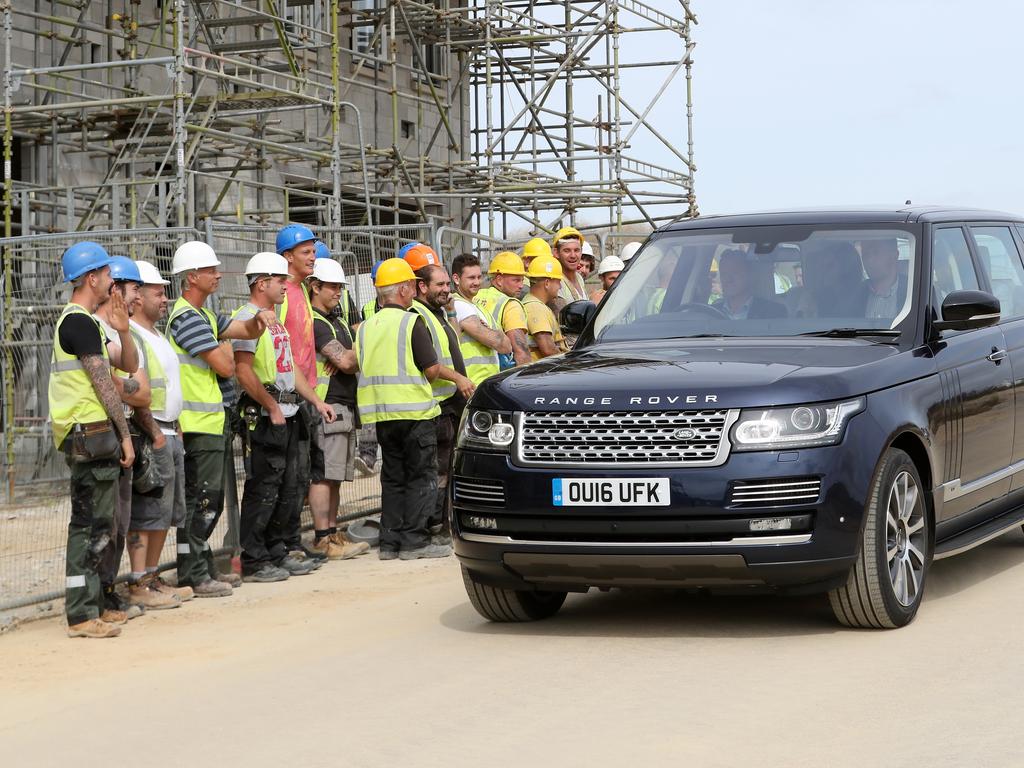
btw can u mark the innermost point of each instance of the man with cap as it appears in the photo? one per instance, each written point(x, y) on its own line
point(567, 245)
point(155, 510)
point(201, 340)
point(397, 363)
point(297, 244)
point(500, 301)
point(272, 389)
point(333, 446)
point(611, 267)
point(433, 291)
point(90, 428)
point(480, 341)
point(545, 275)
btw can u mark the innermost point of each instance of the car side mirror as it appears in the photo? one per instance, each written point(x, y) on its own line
point(576, 316)
point(967, 310)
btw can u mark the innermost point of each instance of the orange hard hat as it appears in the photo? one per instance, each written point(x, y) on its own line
point(420, 256)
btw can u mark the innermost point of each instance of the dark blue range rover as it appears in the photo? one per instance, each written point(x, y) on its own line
point(803, 401)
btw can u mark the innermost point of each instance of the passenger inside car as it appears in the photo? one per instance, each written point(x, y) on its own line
point(830, 269)
point(738, 300)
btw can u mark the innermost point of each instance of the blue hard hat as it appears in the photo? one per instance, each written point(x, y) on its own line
point(124, 270)
point(405, 249)
point(81, 258)
point(322, 251)
point(373, 271)
point(291, 235)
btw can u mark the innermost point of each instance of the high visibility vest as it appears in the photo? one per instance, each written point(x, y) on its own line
point(481, 361)
point(323, 379)
point(264, 361)
point(391, 387)
point(155, 373)
point(202, 404)
point(73, 400)
point(344, 310)
point(443, 389)
point(369, 309)
point(492, 301)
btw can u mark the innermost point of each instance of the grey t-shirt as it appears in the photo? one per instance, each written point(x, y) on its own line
point(281, 343)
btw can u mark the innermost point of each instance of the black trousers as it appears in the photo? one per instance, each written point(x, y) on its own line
point(447, 426)
point(271, 488)
point(408, 480)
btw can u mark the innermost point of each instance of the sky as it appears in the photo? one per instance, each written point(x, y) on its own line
point(821, 103)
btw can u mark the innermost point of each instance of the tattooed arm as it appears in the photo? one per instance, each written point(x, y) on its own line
point(492, 337)
point(134, 391)
point(520, 346)
point(144, 418)
point(98, 371)
point(342, 359)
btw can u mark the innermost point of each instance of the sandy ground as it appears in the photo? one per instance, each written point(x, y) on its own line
point(385, 664)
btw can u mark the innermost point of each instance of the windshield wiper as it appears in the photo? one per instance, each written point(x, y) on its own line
point(850, 333)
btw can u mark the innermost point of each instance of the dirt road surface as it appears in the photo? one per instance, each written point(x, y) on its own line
point(386, 664)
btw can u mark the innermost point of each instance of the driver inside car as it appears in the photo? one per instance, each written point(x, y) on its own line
point(738, 300)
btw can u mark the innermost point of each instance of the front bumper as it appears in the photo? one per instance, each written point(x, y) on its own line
point(702, 540)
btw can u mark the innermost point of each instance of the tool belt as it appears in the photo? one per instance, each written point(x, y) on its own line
point(284, 398)
point(167, 424)
point(94, 441)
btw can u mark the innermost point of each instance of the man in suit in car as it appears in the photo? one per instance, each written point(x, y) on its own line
point(885, 289)
point(738, 300)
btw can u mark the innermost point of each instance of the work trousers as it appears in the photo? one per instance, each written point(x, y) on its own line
point(408, 481)
point(90, 532)
point(447, 426)
point(110, 563)
point(271, 488)
point(306, 416)
point(204, 503)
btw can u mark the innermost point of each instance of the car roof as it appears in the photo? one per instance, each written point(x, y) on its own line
point(907, 214)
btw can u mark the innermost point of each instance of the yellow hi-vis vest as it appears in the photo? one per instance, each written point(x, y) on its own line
point(369, 309)
point(391, 387)
point(492, 302)
point(481, 361)
point(264, 361)
point(203, 406)
point(323, 379)
point(72, 397)
point(155, 372)
point(443, 389)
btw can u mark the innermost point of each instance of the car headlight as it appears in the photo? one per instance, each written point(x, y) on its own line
point(486, 430)
point(800, 426)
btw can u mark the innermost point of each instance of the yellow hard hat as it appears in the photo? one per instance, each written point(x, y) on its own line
point(545, 266)
point(392, 272)
point(564, 234)
point(506, 263)
point(536, 247)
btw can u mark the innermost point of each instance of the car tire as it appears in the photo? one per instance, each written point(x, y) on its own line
point(886, 584)
point(497, 604)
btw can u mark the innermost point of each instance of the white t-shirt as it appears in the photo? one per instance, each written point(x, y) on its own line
point(114, 339)
point(172, 375)
point(464, 309)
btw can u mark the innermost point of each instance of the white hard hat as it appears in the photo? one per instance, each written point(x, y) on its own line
point(611, 264)
point(267, 263)
point(328, 271)
point(150, 274)
point(629, 250)
point(193, 255)
point(588, 249)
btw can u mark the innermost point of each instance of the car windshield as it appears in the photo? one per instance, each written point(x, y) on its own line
point(765, 281)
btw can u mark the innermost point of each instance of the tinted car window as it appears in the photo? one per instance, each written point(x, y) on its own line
point(999, 258)
point(952, 268)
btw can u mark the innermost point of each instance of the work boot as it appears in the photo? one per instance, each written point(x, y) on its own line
point(296, 567)
point(430, 550)
point(112, 601)
point(182, 593)
point(303, 556)
point(387, 554)
point(96, 628)
point(230, 578)
point(308, 553)
point(339, 549)
point(111, 616)
point(211, 588)
point(145, 593)
point(267, 574)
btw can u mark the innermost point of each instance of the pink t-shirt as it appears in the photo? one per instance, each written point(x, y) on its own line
point(299, 323)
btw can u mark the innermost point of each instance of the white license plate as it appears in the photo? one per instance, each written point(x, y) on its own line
point(594, 492)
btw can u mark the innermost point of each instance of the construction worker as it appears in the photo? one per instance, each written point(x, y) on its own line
point(587, 262)
point(611, 267)
point(134, 389)
point(545, 274)
point(154, 511)
point(297, 244)
point(433, 291)
point(371, 304)
point(479, 340)
point(273, 387)
point(629, 250)
point(347, 310)
point(533, 248)
point(397, 363)
point(201, 340)
point(334, 445)
point(500, 301)
point(90, 428)
point(567, 247)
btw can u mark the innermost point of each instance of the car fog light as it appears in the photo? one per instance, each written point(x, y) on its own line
point(501, 434)
point(771, 524)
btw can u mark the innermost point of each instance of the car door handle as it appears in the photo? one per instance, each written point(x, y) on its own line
point(997, 355)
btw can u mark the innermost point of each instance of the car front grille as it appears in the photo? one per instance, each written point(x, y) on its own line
point(479, 493)
point(774, 493)
point(624, 438)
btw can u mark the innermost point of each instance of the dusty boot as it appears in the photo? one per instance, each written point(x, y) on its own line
point(146, 593)
point(184, 594)
point(112, 616)
point(96, 628)
point(343, 549)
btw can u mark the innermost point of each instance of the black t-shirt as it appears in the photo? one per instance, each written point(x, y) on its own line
point(80, 335)
point(342, 386)
point(423, 354)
